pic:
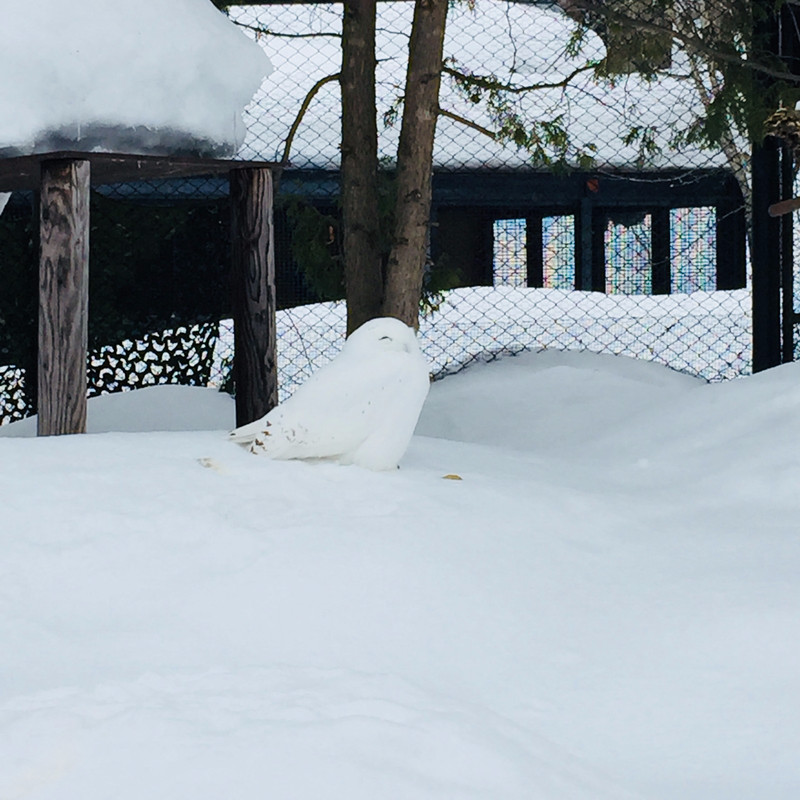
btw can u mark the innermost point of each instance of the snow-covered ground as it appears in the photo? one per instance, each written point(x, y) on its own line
point(605, 605)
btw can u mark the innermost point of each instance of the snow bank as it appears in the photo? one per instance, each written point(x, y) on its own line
point(607, 601)
point(707, 334)
point(159, 408)
point(150, 76)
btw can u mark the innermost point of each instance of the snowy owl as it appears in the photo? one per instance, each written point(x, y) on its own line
point(361, 408)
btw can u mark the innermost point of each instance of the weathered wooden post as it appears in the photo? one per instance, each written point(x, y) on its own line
point(63, 296)
point(253, 293)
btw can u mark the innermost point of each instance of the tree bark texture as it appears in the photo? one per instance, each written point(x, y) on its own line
point(406, 264)
point(63, 297)
point(253, 294)
point(359, 172)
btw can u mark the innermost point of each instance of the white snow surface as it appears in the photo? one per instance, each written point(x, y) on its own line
point(606, 605)
point(360, 408)
point(139, 75)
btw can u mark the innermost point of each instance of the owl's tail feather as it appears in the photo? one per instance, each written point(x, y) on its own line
point(247, 433)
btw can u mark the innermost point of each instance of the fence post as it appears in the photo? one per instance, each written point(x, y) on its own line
point(766, 256)
point(63, 296)
point(253, 293)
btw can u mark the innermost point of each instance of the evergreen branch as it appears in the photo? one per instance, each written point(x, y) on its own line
point(692, 42)
point(302, 112)
point(492, 84)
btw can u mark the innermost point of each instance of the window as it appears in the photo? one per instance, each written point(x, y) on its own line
point(510, 264)
point(693, 249)
point(510, 258)
point(558, 252)
point(628, 252)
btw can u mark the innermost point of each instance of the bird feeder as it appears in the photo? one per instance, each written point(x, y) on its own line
point(161, 97)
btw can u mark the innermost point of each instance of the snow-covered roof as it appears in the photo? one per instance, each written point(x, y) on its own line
point(143, 76)
point(520, 43)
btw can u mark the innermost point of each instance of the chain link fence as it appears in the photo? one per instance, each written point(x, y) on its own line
point(620, 256)
point(571, 211)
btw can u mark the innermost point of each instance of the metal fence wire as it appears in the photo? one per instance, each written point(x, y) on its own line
point(570, 211)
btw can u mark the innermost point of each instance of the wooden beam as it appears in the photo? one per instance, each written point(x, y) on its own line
point(63, 296)
point(784, 207)
point(24, 172)
point(253, 294)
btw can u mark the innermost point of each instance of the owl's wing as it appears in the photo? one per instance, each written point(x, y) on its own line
point(332, 413)
point(392, 430)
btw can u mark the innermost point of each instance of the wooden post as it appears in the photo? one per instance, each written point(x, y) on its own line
point(63, 296)
point(253, 293)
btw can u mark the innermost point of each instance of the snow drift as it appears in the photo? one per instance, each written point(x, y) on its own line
point(606, 603)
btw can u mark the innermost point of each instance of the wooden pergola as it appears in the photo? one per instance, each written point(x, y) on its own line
point(63, 180)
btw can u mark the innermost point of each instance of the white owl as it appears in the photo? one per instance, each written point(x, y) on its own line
point(361, 408)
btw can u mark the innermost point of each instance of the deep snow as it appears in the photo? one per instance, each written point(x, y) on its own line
point(606, 602)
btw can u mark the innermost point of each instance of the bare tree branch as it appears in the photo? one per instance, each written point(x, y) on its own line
point(302, 112)
point(260, 31)
point(468, 123)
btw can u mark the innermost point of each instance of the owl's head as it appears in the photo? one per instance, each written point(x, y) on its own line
point(383, 333)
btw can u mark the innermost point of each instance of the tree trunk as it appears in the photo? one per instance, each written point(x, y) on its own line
point(406, 265)
point(360, 218)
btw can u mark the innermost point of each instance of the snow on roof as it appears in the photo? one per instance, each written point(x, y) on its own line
point(520, 43)
point(149, 76)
